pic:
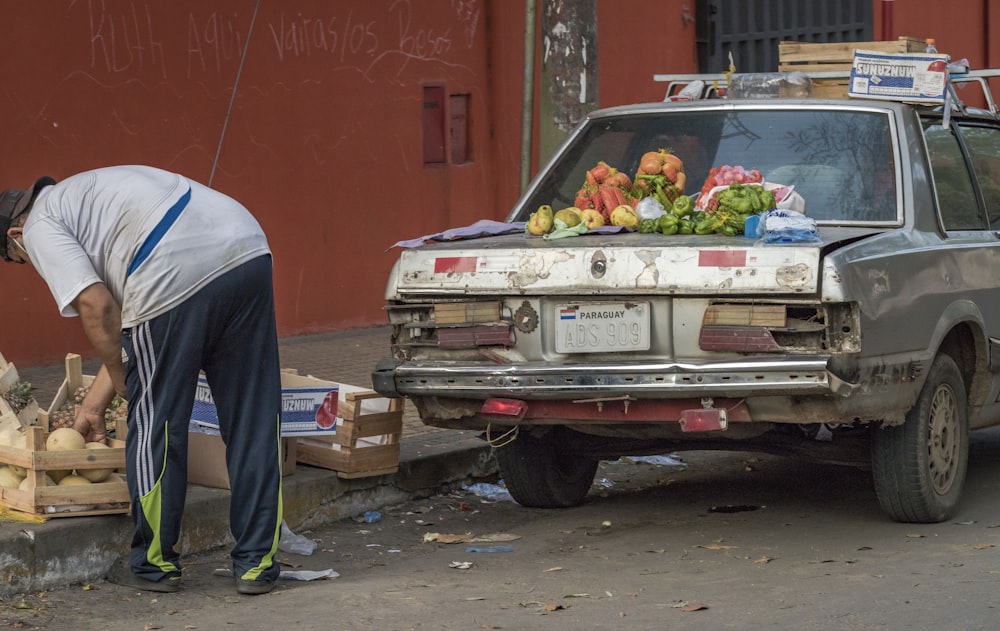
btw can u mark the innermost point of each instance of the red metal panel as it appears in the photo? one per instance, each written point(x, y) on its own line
point(433, 124)
point(458, 111)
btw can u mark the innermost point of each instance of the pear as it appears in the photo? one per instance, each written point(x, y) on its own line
point(540, 221)
point(592, 218)
point(569, 216)
point(625, 216)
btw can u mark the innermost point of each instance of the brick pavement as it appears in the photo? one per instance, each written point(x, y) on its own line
point(342, 356)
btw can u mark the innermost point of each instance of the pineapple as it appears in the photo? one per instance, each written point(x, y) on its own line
point(65, 416)
point(19, 396)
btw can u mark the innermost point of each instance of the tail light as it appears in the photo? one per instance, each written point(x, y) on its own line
point(468, 324)
point(780, 328)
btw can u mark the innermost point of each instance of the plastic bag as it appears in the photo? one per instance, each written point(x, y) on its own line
point(769, 84)
point(649, 208)
point(293, 543)
point(487, 491)
point(782, 226)
point(561, 230)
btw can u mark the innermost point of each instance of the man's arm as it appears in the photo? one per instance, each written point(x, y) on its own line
point(101, 316)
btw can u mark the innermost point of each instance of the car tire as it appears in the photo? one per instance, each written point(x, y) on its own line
point(919, 467)
point(539, 475)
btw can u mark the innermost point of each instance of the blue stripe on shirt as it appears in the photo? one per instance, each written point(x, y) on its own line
point(158, 231)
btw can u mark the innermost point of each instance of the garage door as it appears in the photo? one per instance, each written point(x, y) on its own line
point(751, 29)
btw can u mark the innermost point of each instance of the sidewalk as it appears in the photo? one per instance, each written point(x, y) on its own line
point(68, 550)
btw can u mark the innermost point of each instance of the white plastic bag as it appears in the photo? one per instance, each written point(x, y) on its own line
point(293, 543)
point(782, 226)
point(649, 208)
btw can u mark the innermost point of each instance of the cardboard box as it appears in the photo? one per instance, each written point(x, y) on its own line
point(913, 77)
point(366, 442)
point(207, 459)
point(103, 498)
point(308, 405)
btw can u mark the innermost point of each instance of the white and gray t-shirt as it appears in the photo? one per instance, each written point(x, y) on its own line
point(154, 238)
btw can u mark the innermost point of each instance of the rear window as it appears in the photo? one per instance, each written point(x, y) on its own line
point(840, 161)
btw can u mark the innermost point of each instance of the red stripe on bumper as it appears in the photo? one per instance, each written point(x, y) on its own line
point(453, 264)
point(722, 258)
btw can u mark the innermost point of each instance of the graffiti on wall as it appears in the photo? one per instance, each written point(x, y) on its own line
point(127, 38)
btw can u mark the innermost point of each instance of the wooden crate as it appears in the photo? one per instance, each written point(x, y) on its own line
point(103, 498)
point(8, 418)
point(813, 57)
point(366, 442)
point(74, 379)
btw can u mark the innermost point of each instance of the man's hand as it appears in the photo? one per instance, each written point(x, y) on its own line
point(90, 419)
point(90, 423)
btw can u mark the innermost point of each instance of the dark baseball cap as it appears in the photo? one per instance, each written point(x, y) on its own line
point(13, 203)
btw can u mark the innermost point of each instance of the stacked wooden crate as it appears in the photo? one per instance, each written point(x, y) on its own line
point(366, 442)
point(836, 56)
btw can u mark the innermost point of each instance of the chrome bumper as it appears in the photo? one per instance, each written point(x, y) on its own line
point(653, 380)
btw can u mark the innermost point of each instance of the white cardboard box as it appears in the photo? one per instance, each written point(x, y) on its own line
point(308, 406)
point(913, 77)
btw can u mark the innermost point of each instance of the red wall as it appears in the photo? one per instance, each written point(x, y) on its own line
point(323, 142)
point(323, 139)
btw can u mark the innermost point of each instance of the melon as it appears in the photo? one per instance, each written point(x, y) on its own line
point(95, 475)
point(58, 474)
point(23, 486)
point(20, 441)
point(65, 439)
point(9, 479)
point(73, 480)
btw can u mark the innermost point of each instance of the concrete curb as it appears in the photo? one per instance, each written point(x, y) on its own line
point(68, 550)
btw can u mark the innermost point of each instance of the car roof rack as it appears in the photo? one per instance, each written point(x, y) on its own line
point(709, 86)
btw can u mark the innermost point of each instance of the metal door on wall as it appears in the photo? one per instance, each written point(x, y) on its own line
point(751, 29)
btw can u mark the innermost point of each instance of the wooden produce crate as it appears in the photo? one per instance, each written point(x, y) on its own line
point(820, 57)
point(102, 498)
point(8, 418)
point(74, 380)
point(366, 442)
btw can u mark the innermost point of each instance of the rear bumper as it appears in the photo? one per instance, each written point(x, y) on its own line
point(786, 376)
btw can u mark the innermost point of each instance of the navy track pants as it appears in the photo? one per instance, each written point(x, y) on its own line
point(227, 329)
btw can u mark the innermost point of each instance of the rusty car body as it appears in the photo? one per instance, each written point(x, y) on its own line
point(881, 336)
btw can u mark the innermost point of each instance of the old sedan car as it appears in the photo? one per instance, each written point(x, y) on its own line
point(877, 330)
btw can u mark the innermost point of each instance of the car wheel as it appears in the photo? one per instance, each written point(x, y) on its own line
point(539, 475)
point(919, 466)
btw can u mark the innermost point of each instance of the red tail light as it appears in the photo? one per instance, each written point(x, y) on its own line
point(507, 409)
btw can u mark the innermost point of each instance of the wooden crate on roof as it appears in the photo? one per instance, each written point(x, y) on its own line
point(836, 56)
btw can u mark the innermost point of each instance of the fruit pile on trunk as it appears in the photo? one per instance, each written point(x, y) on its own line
point(729, 195)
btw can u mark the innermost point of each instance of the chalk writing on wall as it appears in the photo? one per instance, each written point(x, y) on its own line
point(128, 41)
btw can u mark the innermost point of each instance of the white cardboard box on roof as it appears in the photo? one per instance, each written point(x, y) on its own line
point(911, 77)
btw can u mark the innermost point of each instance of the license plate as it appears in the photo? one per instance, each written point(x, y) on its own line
point(604, 327)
